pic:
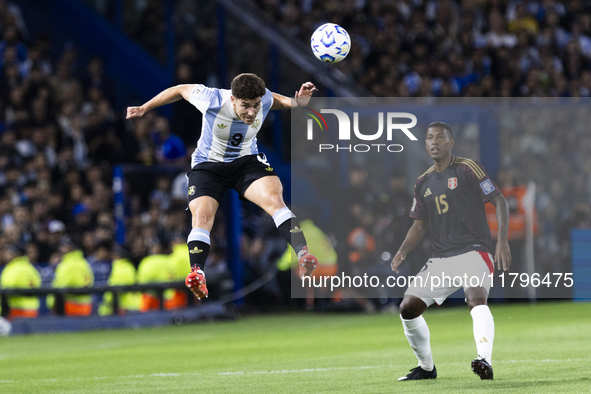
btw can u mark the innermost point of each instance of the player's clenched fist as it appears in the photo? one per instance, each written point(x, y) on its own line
point(135, 112)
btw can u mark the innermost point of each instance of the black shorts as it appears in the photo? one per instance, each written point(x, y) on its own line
point(212, 179)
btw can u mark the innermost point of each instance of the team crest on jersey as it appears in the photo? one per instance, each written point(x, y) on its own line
point(256, 124)
point(191, 190)
point(452, 183)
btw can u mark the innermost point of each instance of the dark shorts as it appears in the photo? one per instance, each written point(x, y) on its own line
point(212, 179)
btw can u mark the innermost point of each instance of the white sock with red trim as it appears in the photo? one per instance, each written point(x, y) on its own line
point(417, 333)
point(484, 331)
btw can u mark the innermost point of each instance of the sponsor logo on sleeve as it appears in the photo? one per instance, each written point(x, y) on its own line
point(487, 187)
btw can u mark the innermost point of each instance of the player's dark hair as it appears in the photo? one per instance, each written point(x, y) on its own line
point(443, 125)
point(248, 86)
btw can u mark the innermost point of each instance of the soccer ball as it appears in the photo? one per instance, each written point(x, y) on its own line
point(5, 327)
point(330, 43)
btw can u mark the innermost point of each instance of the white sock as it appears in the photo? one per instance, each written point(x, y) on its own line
point(484, 331)
point(417, 333)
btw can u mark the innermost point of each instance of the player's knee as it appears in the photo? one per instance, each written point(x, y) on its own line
point(472, 302)
point(201, 218)
point(409, 309)
point(276, 202)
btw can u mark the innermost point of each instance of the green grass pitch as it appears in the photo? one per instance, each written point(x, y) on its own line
point(539, 348)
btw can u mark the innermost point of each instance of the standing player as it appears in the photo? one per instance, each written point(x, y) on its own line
point(227, 157)
point(449, 197)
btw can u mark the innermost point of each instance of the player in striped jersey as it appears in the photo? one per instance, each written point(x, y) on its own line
point(449, 199)
point(227, 156)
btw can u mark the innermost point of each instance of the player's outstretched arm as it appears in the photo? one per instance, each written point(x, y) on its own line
point(167, 96)
point(502, 252)
point(301, 98)
point(413, 237)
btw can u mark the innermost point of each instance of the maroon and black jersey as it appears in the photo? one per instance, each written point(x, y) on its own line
point(452, 201)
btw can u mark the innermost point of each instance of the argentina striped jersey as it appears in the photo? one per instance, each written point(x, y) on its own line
point(224, 136)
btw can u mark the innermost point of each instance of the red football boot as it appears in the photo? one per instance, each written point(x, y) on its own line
point(196, 282)
point(307, 261)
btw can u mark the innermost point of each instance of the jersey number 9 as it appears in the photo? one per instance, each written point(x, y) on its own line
point(236, 139)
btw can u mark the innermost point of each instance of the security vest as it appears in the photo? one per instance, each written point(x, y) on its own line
point(514, 196)
point(123, 273)
point(180, 260)
point(19, 273)
point(73, 271)
point(157, 269)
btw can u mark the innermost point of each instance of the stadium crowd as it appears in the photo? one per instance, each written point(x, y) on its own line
point(60, 135)
point(502, 48)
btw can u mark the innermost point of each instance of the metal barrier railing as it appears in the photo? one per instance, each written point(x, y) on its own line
point(59, 294)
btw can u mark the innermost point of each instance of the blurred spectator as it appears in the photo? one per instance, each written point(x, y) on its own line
point(11, 42)
point(48, 241)
point(394, 219)
point(516, 195)
point(514, 192)
point(141, 147)
point(186, 121)
point(170, 148)
point(72, 271)
point(123, 273)
point(157, 268)
point(179, 258)
point(11, 14)
point(94, 79)
point(161, 194)
point(523, 20)
point(19, 273)
point(150, 28)
point(100, 263)
point(361, 206)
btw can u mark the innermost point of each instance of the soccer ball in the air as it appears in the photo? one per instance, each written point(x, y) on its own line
point(330, 43)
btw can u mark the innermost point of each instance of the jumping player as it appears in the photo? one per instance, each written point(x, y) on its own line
point(449, 197)
point(227, 157)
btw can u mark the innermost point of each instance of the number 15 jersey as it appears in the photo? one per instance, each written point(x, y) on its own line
point(224, 136)
point(452, 201)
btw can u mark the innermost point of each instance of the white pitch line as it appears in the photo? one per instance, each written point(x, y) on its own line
point(301, 370)
point(394, 366)
point(306, 370)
